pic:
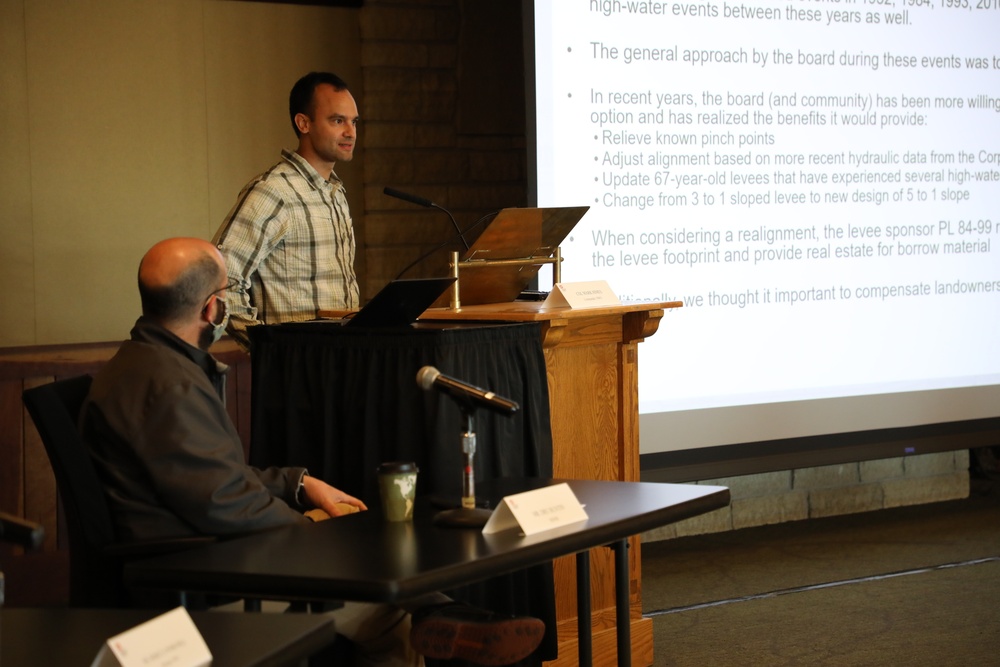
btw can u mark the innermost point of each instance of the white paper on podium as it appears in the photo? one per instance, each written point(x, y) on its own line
point(591, 294)
point(169, 640)
point(537, 511)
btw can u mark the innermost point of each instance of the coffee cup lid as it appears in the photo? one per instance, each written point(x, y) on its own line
point(397, 467)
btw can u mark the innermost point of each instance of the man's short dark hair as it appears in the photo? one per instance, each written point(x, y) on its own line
point(185, 296)
point(300, 100)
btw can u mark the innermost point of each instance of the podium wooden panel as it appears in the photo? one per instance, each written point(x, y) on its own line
point(591, 359)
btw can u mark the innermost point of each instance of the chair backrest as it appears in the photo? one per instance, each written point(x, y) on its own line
point(95, 578)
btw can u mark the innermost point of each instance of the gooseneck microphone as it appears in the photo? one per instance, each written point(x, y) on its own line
point(406, 196)
point(477, 223)
point(429, 378)
point(426, 203)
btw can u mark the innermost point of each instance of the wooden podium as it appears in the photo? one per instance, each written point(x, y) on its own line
point(591, 359)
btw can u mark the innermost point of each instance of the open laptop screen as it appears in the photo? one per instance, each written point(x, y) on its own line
point(400, 302)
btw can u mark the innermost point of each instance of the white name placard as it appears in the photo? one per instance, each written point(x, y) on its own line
point(169, 640)
point(537, 511)
point(592, 294)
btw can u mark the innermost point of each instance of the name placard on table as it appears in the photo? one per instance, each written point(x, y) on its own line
point(537, 511)
point(169, 640)
point(591, 294)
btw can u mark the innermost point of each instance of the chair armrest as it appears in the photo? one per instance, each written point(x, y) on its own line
point(24, 533)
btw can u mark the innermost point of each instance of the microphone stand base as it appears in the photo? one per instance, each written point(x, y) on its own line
point(453, 502)
point(462, 517)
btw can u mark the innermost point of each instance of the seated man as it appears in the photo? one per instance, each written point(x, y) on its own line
point(173, 465)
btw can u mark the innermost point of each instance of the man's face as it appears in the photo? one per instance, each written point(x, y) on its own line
point(333, 128)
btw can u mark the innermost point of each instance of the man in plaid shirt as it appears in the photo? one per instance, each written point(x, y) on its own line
point(288, 242)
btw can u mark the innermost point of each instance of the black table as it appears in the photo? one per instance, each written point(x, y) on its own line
point(361, 557)
point(69, 637)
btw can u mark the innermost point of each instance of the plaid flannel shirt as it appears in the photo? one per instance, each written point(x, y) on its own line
point(289, 243)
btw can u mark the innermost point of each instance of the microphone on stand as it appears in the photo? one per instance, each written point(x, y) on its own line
point(429, 378)
point(468, 515)
point(426, 203)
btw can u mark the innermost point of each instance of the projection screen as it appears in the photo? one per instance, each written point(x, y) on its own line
point(817, 181)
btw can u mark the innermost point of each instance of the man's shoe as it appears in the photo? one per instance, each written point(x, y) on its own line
point(455, 630)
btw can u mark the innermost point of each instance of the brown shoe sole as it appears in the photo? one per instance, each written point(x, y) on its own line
point(498, 642)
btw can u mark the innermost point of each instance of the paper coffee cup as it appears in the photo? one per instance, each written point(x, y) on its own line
point(397, 485)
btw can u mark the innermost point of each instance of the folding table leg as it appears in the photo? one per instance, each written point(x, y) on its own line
point(584, 643)
point(621, 603)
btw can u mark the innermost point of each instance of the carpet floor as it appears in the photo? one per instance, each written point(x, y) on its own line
point(907, 586)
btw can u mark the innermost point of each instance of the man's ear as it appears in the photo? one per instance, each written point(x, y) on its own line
point(302, 121)
point(211, 310)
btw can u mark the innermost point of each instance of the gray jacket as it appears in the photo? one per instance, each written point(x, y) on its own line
point(170, 458)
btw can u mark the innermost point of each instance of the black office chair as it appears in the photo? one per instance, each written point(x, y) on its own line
point(96, 558)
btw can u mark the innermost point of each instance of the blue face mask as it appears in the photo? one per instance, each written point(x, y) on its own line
point(219, 328)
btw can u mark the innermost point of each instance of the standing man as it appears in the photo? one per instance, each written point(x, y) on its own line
point(288, 242)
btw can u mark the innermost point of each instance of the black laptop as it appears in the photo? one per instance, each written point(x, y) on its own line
point(400, 302)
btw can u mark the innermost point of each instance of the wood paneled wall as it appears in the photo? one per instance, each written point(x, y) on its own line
point(27, 484)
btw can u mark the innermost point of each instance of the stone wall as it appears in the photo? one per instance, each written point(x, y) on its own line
point(809, 493)
point(442, 118)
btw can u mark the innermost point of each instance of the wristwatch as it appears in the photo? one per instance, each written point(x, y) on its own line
point(300, 489)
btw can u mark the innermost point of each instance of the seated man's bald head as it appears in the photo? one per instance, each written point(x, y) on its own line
point(176, 276)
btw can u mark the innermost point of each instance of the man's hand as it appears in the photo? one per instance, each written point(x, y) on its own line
point(332, 501)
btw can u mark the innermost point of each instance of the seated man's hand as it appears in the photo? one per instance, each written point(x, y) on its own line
point(332, 501)
point(319, 515)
